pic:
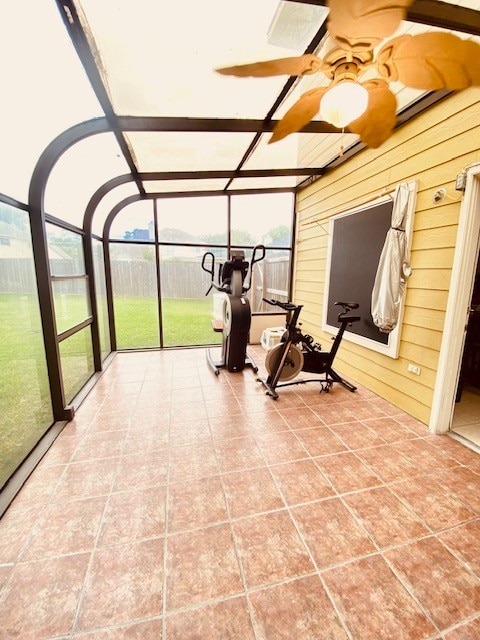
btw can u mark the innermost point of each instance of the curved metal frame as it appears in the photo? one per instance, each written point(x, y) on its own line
point(36, 202)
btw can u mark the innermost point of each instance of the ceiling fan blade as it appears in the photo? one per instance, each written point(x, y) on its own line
point(296, 66)
point(306, 107)
point(359, 25)
point(431, 61)
point(377, 123)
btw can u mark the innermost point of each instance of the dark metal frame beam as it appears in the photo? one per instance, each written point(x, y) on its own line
point(82, 44)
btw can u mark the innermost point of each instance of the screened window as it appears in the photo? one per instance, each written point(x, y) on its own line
point(69, 281)
point(193, 220)
point(76, 357)
point(101, 296)
point(262, 219)
point(25, 406)
point(188, 227)
point(134, 222)
point(135, 295)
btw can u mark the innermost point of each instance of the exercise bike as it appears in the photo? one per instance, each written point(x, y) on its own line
point(298, 352)
point(234, 279)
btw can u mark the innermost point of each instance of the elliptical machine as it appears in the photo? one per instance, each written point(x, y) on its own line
point(234, 279)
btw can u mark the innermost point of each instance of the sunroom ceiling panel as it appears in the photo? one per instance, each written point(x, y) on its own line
point(174, 186)
point(318, 150)
point(279, 155)
point(188, 151)
point(153, 67)
point(274, 182)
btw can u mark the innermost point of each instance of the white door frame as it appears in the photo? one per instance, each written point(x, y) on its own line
point(458, 305)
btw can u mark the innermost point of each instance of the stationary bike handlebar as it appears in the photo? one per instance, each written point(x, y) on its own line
point(287, 306)
point(347, 307)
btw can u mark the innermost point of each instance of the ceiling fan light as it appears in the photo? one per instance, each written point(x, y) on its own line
point(343, 103)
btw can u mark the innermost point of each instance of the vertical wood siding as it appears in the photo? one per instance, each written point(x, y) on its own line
point(432, 149)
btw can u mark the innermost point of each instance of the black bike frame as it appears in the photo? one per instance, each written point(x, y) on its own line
point(315, 360)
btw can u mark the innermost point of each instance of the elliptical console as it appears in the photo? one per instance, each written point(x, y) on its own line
point(235, 280)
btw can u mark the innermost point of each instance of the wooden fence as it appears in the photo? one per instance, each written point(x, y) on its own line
point(138, 278)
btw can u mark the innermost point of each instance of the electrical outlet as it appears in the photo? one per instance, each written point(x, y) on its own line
point(414, 368)
point(461, 181)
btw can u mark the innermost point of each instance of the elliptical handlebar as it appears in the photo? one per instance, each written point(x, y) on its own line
point(243, 282)
point(211, 272)
point(253, 261)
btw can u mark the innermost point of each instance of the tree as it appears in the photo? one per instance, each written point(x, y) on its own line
point(280, 232)
point(242, 238)
point(214, 238)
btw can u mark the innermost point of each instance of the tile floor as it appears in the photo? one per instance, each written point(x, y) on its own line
point(178, 505)
point(466, 416)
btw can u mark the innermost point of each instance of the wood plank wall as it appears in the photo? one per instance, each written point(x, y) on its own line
point(432, 149)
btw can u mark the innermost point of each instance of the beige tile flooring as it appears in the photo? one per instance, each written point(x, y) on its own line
point(178, 505)
point(466, 416)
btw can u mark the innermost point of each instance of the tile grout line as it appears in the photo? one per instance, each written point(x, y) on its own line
point(81, 596)
point(338, 613)
point(165, 542)
point(409, 589)
point(221, 474)
point(34, 529)
point(236, 550)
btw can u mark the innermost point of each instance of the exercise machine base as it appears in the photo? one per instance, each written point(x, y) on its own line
point(326, 383)
point(216, 365)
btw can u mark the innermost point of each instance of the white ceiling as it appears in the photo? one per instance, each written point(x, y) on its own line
point(157, 59)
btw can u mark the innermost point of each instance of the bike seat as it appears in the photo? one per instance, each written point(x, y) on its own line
point(345, 316)
point(347, 305)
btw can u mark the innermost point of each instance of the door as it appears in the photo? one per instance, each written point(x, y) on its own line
point(458, 306)
point(466, 414)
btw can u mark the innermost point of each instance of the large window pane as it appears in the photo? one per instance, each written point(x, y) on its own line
point(187, 311)
point(71, 302)
point(193, 220)
point(101, 295)
point(76, 358)
point(65, 252)
point(134, 282)
point(70, 293)
point(134, 222)
point(25, 406)
point(262, 219)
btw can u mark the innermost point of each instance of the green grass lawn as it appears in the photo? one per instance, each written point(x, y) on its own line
point(24, 390)
point(185, 322)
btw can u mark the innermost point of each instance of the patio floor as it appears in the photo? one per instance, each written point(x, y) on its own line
point(177, 505)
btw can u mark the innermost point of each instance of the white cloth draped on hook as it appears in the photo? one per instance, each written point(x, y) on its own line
point(393, 268)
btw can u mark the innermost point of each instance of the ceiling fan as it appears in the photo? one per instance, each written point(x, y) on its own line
point(428, 61)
